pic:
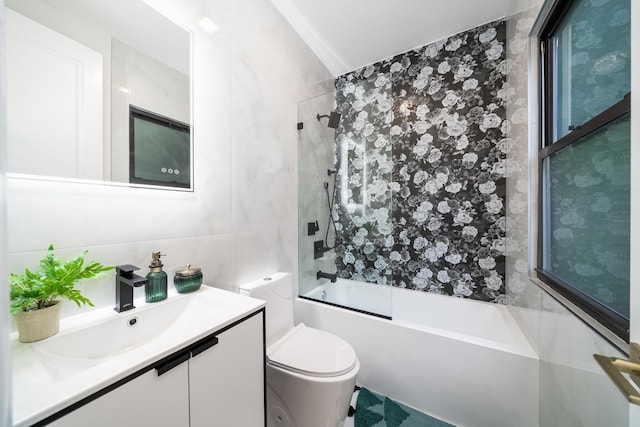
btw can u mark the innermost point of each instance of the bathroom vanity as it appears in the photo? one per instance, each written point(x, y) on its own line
point(192, 360)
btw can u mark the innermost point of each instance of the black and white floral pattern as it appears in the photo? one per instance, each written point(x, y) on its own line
point(420, 154)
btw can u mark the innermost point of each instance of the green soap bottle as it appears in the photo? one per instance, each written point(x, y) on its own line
point(156, 288)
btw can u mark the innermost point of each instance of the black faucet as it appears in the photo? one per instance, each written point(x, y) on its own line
point(126, 280)
point(320, 275)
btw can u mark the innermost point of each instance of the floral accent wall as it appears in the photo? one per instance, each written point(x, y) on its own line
point(420, 154)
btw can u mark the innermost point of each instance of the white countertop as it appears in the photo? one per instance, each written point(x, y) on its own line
point(44, 383)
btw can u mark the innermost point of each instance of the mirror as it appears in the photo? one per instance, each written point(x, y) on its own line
point(77, 71)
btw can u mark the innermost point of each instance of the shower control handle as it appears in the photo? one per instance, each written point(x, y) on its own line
point(319, 249)
point(312, 228)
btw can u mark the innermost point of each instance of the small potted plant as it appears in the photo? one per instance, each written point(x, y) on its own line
point(35, 296)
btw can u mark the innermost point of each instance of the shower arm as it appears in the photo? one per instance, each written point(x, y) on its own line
point(334, 119)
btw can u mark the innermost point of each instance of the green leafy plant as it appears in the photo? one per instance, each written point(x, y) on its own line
point(55, 279)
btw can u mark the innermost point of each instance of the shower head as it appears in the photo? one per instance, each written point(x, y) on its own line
point(334, 119)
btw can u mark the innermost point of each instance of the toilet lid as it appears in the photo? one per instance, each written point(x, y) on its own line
point(312, 352)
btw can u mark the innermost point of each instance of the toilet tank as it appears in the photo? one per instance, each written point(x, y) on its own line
point(277, 290)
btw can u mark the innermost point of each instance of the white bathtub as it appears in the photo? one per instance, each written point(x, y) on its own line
point(463, 361)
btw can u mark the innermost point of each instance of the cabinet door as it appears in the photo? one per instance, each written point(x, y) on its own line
point(149, 400)
point(226, 382)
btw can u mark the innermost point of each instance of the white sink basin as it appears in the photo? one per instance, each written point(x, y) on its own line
point(119, 333)
point(100, 337)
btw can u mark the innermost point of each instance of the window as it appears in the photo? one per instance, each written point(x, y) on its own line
point(584, 158)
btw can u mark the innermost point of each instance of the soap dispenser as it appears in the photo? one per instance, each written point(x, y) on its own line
point(156, 288)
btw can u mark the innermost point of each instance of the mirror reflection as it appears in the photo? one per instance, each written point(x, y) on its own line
point(77, 71)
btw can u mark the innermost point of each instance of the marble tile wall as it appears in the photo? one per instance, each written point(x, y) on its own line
point(273, 70)
point(574, 390)
point(520, 291)
point(240, 222)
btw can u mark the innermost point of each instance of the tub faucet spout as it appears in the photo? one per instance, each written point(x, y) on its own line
point(322, 275)
point(126, 280)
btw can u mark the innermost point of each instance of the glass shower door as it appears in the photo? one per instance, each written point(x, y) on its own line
point(344, 194)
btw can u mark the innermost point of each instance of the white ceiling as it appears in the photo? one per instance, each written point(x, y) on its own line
point(349, 34)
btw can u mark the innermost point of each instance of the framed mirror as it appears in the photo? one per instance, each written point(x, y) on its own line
point(75, 69)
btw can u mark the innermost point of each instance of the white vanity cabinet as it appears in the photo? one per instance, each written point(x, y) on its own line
point(226, 382)
point(148, 400)
point(217, 381)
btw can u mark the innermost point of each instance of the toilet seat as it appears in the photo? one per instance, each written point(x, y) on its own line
point(312, 352)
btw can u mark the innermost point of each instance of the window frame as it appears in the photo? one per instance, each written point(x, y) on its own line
point(603, 315)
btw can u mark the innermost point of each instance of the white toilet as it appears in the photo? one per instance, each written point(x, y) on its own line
point(311, 374)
